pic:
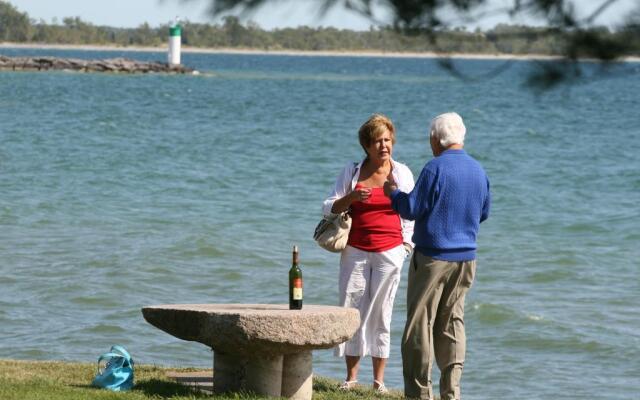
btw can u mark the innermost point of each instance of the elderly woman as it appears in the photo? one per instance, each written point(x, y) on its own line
point(379, 242)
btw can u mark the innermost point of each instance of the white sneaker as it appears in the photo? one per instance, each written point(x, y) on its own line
point(382, 389)
point(348, 385)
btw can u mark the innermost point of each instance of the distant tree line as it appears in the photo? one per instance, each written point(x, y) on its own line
point(17, 27)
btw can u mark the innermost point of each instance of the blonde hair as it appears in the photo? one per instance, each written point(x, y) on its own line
point(375, 127)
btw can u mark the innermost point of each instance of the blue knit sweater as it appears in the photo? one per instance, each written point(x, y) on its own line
point(450, 199)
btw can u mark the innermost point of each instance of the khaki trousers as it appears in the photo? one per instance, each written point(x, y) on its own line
point(435, 325)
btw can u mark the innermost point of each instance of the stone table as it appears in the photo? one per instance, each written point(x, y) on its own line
point(263, 348)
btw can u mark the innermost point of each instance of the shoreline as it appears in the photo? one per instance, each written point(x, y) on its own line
point(303, 53)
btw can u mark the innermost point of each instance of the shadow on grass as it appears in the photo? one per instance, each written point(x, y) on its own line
point(324, 385)
point(164, 389)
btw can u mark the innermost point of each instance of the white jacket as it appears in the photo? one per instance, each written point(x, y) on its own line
point(348, 178)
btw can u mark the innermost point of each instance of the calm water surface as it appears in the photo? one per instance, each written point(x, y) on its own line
point(119, 191)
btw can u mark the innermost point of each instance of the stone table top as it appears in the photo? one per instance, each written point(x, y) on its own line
point(256, 328)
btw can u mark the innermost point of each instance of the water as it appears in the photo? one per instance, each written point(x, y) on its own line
point(119, 191)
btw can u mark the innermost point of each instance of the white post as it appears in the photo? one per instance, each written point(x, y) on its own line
point(175, 38)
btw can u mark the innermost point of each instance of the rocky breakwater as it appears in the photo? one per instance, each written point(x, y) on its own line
point(113, 65)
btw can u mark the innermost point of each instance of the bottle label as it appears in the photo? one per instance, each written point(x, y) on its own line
point(297, 289)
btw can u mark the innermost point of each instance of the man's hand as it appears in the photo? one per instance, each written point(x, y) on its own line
point(407, 248)
point(389, 186)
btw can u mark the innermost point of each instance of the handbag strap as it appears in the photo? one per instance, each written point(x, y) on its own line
point(121, 350)
point(109, 356)
point(106, 356)
point(355, 169)
point(117, 352)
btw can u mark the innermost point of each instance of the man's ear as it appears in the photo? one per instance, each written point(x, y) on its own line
point(435, 145)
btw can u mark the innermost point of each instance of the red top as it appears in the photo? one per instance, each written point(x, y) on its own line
point(375, 226)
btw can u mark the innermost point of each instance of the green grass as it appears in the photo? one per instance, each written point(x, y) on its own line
point(55, 380)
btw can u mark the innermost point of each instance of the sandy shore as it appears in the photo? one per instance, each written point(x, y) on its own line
point(187, 49)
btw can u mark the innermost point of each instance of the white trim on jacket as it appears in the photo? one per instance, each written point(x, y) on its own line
point(348, 178)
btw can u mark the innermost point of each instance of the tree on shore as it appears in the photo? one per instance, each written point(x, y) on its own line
point(14, 25)
point(581, 37)
point(404, 35)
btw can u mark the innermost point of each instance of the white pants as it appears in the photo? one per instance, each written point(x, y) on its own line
point(368, 282)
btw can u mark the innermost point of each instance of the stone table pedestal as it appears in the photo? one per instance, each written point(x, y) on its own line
point(261, 348)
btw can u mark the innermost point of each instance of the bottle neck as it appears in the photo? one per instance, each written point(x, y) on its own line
point(295, 258)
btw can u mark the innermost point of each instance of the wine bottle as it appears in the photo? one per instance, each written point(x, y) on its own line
point(295, 282)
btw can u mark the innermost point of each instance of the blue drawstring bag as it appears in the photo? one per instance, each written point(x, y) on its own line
point(117, 373)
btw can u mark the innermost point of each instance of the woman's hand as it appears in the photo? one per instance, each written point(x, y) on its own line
point(343, 204)
point(360, 194)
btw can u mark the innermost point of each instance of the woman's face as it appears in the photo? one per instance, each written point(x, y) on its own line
point(381, 148)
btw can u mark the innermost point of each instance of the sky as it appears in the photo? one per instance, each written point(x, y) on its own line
point(286, 13)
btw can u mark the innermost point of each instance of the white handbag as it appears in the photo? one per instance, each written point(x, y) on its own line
point(332, 232)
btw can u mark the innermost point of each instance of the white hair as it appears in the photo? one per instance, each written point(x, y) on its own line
point(448, 129)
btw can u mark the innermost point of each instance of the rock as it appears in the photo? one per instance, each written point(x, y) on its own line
point(113, 65)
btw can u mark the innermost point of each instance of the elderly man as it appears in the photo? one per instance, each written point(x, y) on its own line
point(450, 199)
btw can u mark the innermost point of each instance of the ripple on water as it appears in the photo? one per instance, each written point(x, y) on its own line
point(7, 280)
point(553, 274)
point(103, 329)
point(585, 227)
point(31, 354)
point(554, 341)
point(133, 311)
point(196, 248)
point(233, 276)
point(158, 269)
point(632, 236)
point(493, 314)
point(102, 300)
